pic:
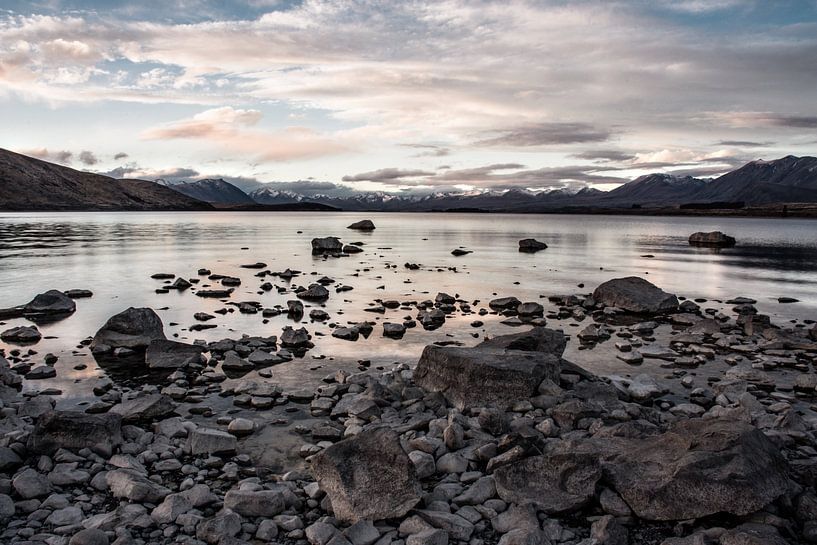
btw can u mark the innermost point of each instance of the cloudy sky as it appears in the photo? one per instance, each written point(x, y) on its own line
point(409, 95)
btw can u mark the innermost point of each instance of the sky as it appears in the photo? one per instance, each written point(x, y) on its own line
point(409, 96)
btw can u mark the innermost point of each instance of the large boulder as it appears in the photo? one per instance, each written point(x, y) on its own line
point(714, 238)
point(559, 483)
point(368, 476)
point(75, 430)
point(698, 468)
point(326, 245)
point(634, 294)
point(133, 328)
point(50, 303)
point(484, 376)
point(165, 354)
point(362, 225)
point(538, 339)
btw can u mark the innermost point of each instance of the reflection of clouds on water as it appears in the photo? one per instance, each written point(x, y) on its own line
point(114, 254)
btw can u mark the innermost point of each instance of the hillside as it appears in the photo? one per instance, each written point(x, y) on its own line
point(213, 191)
point(31, 184)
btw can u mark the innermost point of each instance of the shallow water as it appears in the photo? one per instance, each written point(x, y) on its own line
point(114, 254)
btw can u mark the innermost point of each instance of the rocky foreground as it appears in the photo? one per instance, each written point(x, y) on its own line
point(502, 442)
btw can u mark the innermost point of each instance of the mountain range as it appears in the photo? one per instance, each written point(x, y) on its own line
point(31, 184)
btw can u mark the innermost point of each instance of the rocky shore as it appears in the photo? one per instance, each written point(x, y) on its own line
point(501, 442)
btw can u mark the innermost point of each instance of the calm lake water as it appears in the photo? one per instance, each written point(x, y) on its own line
point(114, 255)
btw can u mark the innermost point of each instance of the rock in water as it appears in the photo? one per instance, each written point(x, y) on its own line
point(327, 245)
point(133, 328)
point(368, 476)
point(315, 292)
point(21, 334)
point(362, 225)
point(75, 430)
point(484, 376)
point(714, 238)
point(699, 468)
point(164, 354)
point(552, 483)
point(634, 294)
point(52, 302)
point(531, 245)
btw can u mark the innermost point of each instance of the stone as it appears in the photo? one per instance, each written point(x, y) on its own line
point(254, 503)
point(66, 516)
point(484, 376)
point(368, 476)
point(133, 328)
point(50, 304)
point(144, 408)
point(21, 334)
point(315, 292)
point(525, 537)
point(456, 526)
point(134, 486)
point(608, 531)
point(327, 245)
point(752, 534)
point(31, 484)
point(362, 225)
point(428, 537)
point(393, 331)
point(504, 303)
point(169, 510)
point(362, 532)
point(698, 468)
point(557, 483)
point(219, 529)
point(211, 441)
point(636, 295)
point(319, 533)
point(531, 245)
point(164, 354)
point(537, 339)
point(75, 430)
point(89, 536)
point(713, 238)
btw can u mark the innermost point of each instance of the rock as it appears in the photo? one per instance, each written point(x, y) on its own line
point(9, 460)
point(50, 304)
point(362, 532)
point(393, 331)
point(233, 362)
point(368, 476)
point(89, 536)
point(538, 339)
point(634, 294)
point(484, 376)
point(254, 503)
point(315, 292)
point(644, 387)
point(428, 537)
point(133, 328)
point(211, 441)
point(362, 225)
point(144, 408)
point(530, 309)
point(294, 338)
point(219, 529)
point(504, 303)
point(560, 483)
point(21, 334)
point(327, 245)
point(457, 252)
point(75, 430)
point(79, 294)
point(531, 245)
point(456, 526)
point(164, 354)
point(241, 427)
point(41, 372)
point(714, 238)
point(134, 486)
point(30, 484)
point(67, 516)
point(169, 510)
point(752, 534)
point(319, 533)
point(699, 468)
point(608, 531)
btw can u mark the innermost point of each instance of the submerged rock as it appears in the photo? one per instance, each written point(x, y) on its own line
point(634, 294)
point(368, 476)
point(531, 245)
point(714, 238)
point(133, 328)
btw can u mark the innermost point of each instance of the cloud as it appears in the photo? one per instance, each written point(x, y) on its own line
point(88, 158)
point(769, 119)
point(120, 155)
point(743, 143)
point(387, 175)
point(55, 156)
point(605, 155)
point(230, 129)
point(429, 150)
point(134, 171)
point(543, 134)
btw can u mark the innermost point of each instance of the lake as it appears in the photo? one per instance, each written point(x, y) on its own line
point(115, 254)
